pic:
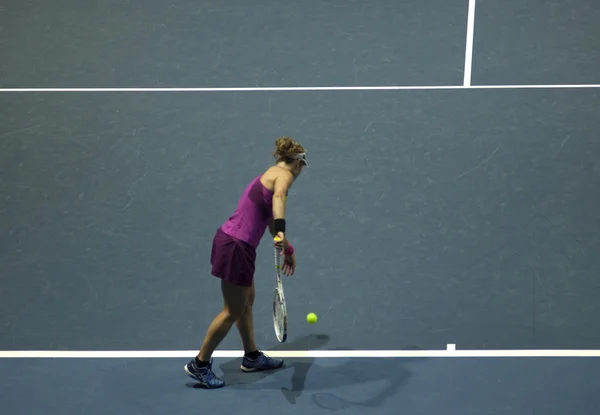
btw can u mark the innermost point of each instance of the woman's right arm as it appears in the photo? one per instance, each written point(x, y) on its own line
point(281, 185)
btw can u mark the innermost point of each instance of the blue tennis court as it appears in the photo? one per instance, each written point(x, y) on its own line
point(446, 230)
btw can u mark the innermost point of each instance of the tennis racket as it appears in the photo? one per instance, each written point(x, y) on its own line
point(279, 308)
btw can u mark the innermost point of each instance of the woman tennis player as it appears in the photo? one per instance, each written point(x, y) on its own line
point(233, 256)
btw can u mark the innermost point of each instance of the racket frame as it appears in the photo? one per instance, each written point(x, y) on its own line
point(279, 304)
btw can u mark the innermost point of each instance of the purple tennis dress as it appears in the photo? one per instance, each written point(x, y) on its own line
point(234, 245)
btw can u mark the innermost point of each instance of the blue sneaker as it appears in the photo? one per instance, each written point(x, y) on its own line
point(203, 375)
point(262, 362)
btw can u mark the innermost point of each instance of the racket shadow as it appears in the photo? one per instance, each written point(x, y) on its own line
point(351, 373)
point(233, 377)
point(394, 373)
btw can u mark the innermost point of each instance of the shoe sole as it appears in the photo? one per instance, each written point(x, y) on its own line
point(250, 370)
point(203, 384)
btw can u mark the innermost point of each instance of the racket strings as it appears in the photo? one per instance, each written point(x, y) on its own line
point(279, 307)
point(279, 315)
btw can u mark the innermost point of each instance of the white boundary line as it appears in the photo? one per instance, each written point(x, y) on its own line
point(160, 354)
point(469, 48)
point(307, 88)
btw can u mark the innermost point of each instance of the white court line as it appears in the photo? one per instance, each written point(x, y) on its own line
point(469, 49)
point(160, 354)
point(306, 88)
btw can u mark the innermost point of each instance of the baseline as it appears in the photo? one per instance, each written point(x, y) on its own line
point(161, 354)
point(307, 88)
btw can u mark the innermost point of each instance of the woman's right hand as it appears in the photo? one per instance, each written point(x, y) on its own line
point(281, 242)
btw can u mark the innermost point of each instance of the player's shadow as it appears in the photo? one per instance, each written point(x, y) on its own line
point(349, 373)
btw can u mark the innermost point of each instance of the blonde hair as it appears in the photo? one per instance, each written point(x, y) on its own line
point(286, 148)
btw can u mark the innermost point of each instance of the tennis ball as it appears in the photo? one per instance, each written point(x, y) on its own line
point(311, 318)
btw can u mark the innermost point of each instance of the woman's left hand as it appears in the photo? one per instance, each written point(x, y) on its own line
point(289, 264)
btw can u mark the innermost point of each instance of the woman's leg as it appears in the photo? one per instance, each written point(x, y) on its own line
point(254, 360)
point(245, 324)
point(235, 299)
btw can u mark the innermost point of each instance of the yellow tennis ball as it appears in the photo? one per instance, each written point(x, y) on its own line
point(311, 318)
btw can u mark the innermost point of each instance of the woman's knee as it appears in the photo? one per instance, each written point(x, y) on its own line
point(233, 313)
point(236, 299)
